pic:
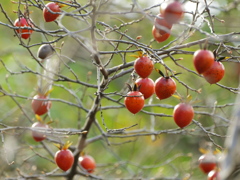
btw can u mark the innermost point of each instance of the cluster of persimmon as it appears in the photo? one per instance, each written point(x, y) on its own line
point(144, 86)
point(170, 13)
point(208, 164)
point(207, 64)
point(164, 87)
point(51, 11)
point(41, 104)
point(64, 159)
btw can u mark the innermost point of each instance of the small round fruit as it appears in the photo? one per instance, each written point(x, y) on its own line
point(64, 159)
point(203, 60)
point(134, 101)
point(45, 51)
point(183, 114)
point(162, 25)
point(173, 12)
point(215, 73)
point(87, 162)
point(213, 175)
point(22, 22)
point(146, 86)
point(163, 6)
point(165, 87)
point(158, 36)
point(40, 104)
point(39, 136)
point(48, 15)
point(143, 66)
point(207, 162)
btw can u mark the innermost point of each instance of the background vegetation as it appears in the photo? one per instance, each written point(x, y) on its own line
point(150, 145)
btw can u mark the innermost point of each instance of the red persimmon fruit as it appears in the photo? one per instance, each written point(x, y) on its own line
point(143, 66)
point(207, 162)
point(165, 87)
point(48, 15)
point(146, 87)
point(162, 25)
point(134, 100)
point(40, 104)
point(39, 136)
point(64, 158)
point(173, 12)
point(215, 73)
point(23, 22)
point(87, 162)
point(158, 36)
point(203, 60)
point(183, 114)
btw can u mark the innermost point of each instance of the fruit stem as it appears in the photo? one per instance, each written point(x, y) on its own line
point(222, 58)
point(175, 74)
point(61, 5)
point(129, 87)
point(166, 72)
point(39, 118)
point(136, 87)
point(48, 92)
point(160, 72)
point(215, 53)
point(205, 44)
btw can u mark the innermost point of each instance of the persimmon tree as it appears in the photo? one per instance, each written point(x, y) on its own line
point(66, 68)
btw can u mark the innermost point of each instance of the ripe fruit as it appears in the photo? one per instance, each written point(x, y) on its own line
point(40, 104)
point(203, 60)
point(143, 66)
point(146, 87)
point(64, 158)
point(134, 101)
point(215, 73)
point(39, 136)
point(207, 162)
point(212, 175)
point(22, 22)
point(165, 86)
point(162, 25)
point(48, 15)
point(158, 36)
point(183, 114)
point(173, 12)
point(87, 162)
